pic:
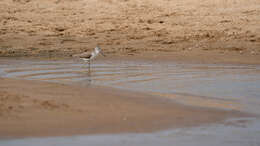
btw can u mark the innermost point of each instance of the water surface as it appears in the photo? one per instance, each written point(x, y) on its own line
point(209, 85)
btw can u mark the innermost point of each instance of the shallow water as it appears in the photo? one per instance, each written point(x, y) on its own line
point(244, 133)
point(208, 85)
point(230, 86)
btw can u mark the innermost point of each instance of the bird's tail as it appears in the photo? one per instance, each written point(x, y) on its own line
point(76, 55)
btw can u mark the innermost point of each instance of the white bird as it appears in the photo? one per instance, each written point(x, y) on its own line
point(87, 56)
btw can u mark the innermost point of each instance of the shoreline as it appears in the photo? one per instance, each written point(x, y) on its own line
point(200, 58)
point(35, 109)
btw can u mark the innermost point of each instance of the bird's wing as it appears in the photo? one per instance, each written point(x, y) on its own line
point(83, 55)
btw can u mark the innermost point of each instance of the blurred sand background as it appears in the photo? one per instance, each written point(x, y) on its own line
point(188, 30)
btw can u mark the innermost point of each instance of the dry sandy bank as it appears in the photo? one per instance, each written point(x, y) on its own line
point(203, 30)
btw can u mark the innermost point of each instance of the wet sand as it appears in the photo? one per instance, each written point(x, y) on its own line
point(36, 108)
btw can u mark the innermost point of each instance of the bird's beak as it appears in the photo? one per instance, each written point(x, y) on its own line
point(101, 52)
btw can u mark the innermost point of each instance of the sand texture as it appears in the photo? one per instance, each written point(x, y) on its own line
point(193, 30)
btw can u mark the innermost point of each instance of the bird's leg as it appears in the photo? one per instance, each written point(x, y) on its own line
point(89, 76)
point(89, 64)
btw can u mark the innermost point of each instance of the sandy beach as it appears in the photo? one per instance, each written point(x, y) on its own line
point(191, 30)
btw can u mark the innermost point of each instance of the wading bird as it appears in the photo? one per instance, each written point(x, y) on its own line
point(88, 56)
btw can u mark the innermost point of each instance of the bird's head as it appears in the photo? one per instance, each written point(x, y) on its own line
point(98, 50)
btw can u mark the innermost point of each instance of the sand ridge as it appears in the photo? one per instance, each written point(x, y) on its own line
point(34, 108)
